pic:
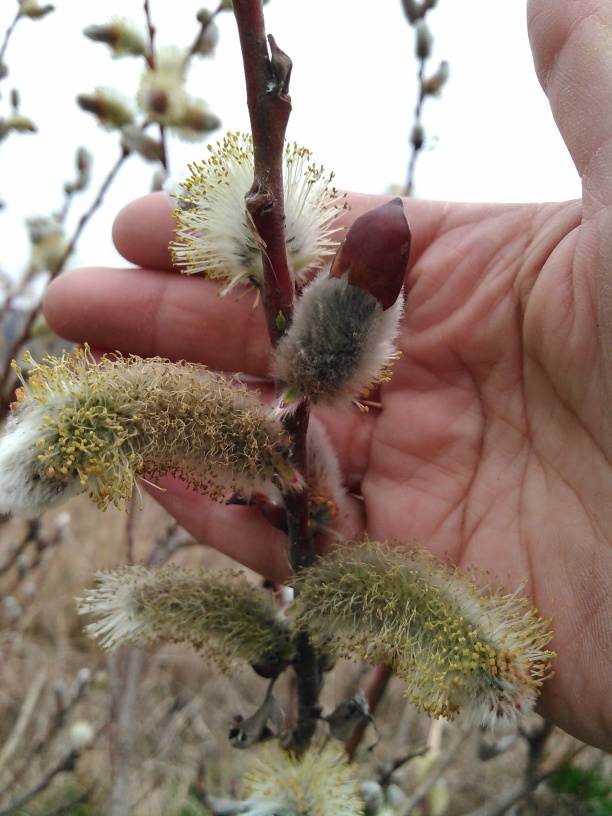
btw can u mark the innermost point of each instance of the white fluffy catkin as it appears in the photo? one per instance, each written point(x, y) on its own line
point(341, 342)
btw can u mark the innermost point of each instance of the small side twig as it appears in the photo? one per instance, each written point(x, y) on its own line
point(83, 221)
point(537, 771)
point(66, 763)
point(377, 684)
point(8, 32)
point(27, 709)
point(202, 30)
point(151, 62)
point(390, 768)
point(417, 120)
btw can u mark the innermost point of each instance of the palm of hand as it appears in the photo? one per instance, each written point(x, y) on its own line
point(492, 446)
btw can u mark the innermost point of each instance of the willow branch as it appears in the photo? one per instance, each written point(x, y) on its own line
point(269, 103)
point(267, 76)
point(202, 31)
point(66, 763)
point(418, 115)
point(8, 32)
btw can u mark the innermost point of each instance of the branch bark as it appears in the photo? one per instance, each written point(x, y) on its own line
point(267, 76)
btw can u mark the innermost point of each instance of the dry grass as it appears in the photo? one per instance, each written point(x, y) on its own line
point(184, 705)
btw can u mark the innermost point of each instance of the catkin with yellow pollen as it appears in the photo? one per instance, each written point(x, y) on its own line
point(456, 644)
point(224, 614)
point(319, 783)
point(79, 425)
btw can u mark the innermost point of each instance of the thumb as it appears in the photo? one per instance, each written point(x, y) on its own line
point(572, 48)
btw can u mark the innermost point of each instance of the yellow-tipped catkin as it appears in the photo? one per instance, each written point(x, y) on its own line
point(222, 613)
point(320, 783)
point(457, 644)
point(213, 234)
point(79, 425)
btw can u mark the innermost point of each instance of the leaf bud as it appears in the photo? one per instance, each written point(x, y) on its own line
point(112, 108)
point(413, 10)
point(23, 565)
point(81, 735)
point(83, 160)
point(375, 252)
point(417, 135)
point(372, 796)
point(28, 590)
point(424, 40)
point(61, 527)
point(134, 138)
point(19, 123)
point(158, 179)
point(14, 99)
point(196, 122)
point(204, 16)
point(4, 70)
point(100, 680)
point(81, 683)
point(347, 716)
point(62, 698)
point(122, 35)
point(47, 241)
point(12, 610)
point(209, 37)
point(434, 84)
point(33, 9)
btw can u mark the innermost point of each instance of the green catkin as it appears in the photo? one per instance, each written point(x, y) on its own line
point(223, 614)
point(455, 645)
point(80, 425)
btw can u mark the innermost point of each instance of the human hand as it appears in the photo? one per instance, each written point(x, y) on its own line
point(493, 443)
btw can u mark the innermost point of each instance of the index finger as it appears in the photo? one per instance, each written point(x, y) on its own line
point(144, 228)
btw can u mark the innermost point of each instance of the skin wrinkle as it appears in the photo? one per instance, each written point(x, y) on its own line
point(572, 414)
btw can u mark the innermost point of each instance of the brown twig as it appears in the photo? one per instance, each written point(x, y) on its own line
point(150, 55)
point(202, 31)
point(129, 533)
point(30, 535)
point(377, 683)
point(390, 768)
point(83, 221)
point(8, 32)
point(267, 78)
point(27, 709)
point(418, 113)
point(151, 61)
point(536, 772)
point(269, 103)
point(66, 763)
point(54, 724)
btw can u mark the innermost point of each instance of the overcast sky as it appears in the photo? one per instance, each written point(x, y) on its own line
point(353, 89)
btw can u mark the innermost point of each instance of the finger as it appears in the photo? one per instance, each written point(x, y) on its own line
point(242, 533)
point(152, 313)
point(144, 228)
point(571, 50)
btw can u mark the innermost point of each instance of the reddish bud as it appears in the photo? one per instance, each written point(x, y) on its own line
point(375, 252)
